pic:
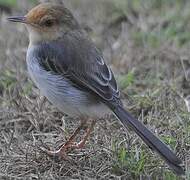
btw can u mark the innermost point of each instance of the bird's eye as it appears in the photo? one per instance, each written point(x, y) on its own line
point(49, 23)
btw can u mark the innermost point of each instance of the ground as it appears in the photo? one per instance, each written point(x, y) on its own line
point(147, 45)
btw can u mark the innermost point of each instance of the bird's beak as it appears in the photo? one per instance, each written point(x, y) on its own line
point(20, 19)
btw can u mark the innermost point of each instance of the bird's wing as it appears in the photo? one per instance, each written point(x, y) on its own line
point(77, 58)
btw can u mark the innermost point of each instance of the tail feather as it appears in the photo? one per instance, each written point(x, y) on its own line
point(150, 139)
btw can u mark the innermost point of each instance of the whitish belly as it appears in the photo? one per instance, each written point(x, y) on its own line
point(67, 98)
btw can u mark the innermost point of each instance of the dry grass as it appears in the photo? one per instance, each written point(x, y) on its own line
point(147, 45)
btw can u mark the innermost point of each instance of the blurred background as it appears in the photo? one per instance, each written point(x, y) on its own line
point(147, 44)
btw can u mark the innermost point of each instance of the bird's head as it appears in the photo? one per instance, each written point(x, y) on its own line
point(47, 22)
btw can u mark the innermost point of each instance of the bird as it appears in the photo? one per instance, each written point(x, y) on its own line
point(71, 72)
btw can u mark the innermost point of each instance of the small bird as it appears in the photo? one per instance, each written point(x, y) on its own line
point(71, 73)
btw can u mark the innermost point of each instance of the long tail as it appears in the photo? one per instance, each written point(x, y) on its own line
point(150, 139)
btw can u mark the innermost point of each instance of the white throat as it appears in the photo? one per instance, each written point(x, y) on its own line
point(36, 36)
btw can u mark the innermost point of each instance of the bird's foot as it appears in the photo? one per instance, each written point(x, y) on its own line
point(61, 153)
point(79, 145)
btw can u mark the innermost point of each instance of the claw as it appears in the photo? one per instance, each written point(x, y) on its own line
point(62, 152)
point(59, 154)
point(79, 145)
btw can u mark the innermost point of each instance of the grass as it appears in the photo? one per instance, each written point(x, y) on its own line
point(145, 42)
point(14, 3)
point(164, 23)
point(8, 2)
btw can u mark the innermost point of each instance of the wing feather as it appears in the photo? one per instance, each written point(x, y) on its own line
point(77, 58)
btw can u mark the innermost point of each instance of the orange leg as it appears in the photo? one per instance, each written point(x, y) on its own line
point(64, 148)
point(62, 152)
point(81, 144)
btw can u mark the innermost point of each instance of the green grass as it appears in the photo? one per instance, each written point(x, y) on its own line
point(126, 80)
point(7, 80)
point(170, 23)
point(132, 160)
point(8, 2)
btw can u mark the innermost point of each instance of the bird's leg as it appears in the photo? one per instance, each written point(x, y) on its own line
point(81, 144)
point(69, 142)
point(64, 148)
